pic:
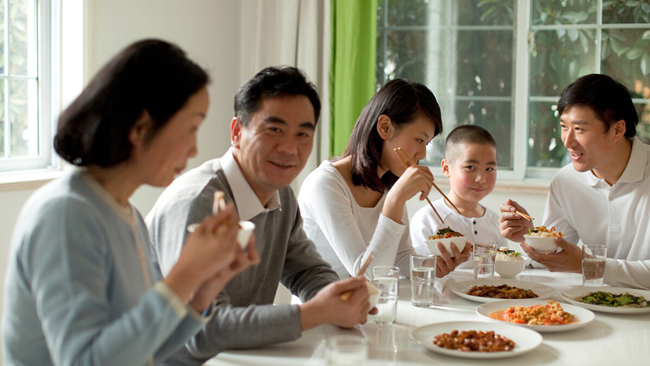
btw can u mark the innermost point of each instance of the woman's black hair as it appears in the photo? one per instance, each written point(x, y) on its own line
point(150, 75)
point(403, 101)
point(609, 99)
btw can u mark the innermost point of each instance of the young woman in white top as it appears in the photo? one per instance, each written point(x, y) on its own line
point(355, 204)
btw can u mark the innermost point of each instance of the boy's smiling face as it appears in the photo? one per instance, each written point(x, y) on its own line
point(472, 172)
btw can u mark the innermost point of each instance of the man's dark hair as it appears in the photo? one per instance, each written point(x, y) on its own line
point(273, 82)
point(466, 134)
point(403, 101)
point(150, 75)
point(609, 99)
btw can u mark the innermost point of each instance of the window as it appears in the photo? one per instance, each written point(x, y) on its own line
point(502, 64)
point(25, 85)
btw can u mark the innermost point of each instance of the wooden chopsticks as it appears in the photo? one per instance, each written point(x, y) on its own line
point(346, 295)
point(401, 153)
point(524, 216)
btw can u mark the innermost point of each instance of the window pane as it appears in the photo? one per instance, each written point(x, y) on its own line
point(553, 12)
point(626, 12)
point(545, 147)
point(2, 36)
point(3, 126)
point(23, 117)
point(626, 57)
point(558, 57)
point(484, 63)
point(482, 12)
point(405, 55)
point(22, 38)
point(643, 128)
point(407, 12)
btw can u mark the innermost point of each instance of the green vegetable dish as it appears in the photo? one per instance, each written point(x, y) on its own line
point(625, 300)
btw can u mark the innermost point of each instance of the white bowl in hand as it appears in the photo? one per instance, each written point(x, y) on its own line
point(374, 293)
point(458, 240)
point(540, 244)
point(510, 269)
point(244, 234)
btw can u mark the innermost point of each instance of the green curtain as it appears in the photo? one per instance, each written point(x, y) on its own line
point(352, 66)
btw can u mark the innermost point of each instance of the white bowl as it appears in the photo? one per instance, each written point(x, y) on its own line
point(509, 269)
point(374, 293)
point(244, 234)
point(541, 245)
point(458, 240)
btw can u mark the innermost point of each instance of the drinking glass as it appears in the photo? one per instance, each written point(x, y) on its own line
point(484, 257)
point(385, 278)
point(346, 350)
point(593, 264)
point(423, 275)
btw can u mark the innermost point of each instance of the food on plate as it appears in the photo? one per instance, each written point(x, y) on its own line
point(549, 314)
point(625, 300)
point(501, 292)
point(506, 254)
point(542, 232)
point(474, 341)
point(445, 233)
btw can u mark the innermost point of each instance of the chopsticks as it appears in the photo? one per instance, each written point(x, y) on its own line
point(524, 216)
point(399, 151)
point(346, 295)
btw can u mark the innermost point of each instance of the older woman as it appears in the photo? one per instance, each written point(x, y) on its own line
point(80, 289)
point(355, 204)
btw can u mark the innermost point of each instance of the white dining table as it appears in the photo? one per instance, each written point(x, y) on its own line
point(610, 339)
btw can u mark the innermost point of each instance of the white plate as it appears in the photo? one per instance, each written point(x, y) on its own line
point(568, 295)
point(461, 288)
point(582, 316)
point(525, 340)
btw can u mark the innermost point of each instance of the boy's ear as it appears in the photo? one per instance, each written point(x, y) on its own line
point(444, 164)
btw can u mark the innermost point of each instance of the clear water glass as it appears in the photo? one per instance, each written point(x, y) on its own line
point(484, 256)
point(423, 275)
point(593, 264)
point(346, 350)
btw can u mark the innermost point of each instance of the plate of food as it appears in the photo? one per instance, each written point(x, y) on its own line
point(538, 315)
point(469, 339)
point(446, 237)
point(617, 300)
point(501, 289)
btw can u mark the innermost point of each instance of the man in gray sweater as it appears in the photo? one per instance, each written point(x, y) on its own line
point(272, 136)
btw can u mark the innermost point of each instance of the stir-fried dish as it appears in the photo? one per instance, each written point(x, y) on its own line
point(474, 341)
point(542, 232)
point(625, 300)
point(501, 292)
point(549, 314)
point(445, 233)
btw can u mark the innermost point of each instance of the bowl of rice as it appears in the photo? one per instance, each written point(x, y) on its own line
point(446, 237)
point(542, 239)
point(509, 263)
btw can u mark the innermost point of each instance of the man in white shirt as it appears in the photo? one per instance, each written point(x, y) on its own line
point(603, 197)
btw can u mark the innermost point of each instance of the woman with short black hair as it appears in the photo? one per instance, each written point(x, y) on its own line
point(80, 288)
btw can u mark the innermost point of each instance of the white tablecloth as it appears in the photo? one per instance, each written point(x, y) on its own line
point(611, 339)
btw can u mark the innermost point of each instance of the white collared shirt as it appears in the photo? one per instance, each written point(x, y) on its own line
point(587, 208)
point(248, 205)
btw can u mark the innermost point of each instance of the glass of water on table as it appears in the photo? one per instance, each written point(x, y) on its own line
point(484, 258)
point(423, 275)
point(593, 264)
point(386, 278)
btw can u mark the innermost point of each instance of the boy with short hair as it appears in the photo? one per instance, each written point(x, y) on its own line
point(470, 163)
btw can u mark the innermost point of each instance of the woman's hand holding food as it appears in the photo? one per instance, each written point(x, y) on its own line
point(211, 248)
point(569, 259)
point(512, 225)
point(328, 308)
point(415, 179)
point(445, 263)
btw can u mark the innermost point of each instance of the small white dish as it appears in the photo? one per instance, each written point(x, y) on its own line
point(432, 244)
point(243, 235)
point(461, 288)
point(510, 269)
point(582, 316)
point(525, 340)
point(374, 293)
point(541, 245)
point(570, 294)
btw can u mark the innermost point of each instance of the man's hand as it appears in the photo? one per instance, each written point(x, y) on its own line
point(567, 260)
point(445, 263)
point(512, 225)
point(328, 308)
